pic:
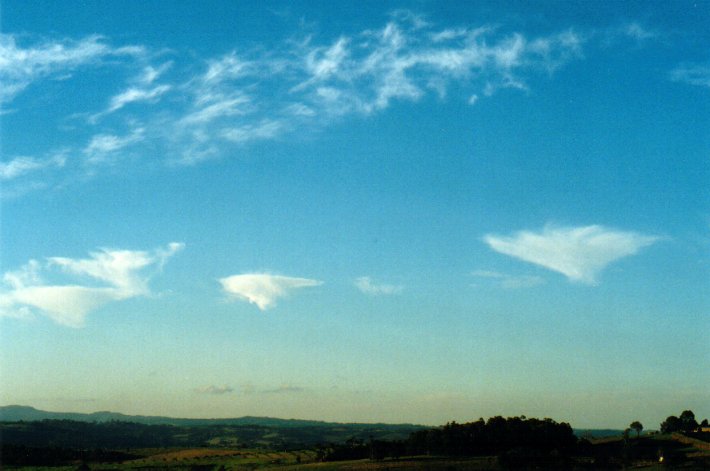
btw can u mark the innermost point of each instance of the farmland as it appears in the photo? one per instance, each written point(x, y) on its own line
point(254, 443)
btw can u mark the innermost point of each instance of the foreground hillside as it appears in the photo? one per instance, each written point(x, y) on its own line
point(492, 444)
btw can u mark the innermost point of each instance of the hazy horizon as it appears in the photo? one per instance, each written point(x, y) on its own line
point(411, 212)
point(646, 428)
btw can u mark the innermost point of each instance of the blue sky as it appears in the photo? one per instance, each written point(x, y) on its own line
point(412, 212)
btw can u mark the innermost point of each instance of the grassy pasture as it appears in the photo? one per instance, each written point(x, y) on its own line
point(203, 459)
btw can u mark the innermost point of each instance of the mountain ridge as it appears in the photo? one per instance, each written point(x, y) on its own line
point(22, 413)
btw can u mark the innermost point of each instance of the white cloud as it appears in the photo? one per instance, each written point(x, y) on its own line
point(300, 84)
point(20, 66)
point(136, 94)
point(216, 107)
point(265, 130)
point(366, 72)
point(140, 91)
point(263, 289)
point(637, 31)
point(101, 145)
point(67, 305)
point(23, 165)
point(365, 284)
point(322, 63)
point(121, 272)
point(579, 253)
point(692, 74)
point(151, 73)
point(229, 67)
point(510, 281)
point(261, 94)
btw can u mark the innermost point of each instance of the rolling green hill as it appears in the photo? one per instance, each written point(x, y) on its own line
point(16, 413)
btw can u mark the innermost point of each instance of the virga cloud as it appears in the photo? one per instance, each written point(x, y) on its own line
point(113, 275)
point(263, 289)
point(579, 253)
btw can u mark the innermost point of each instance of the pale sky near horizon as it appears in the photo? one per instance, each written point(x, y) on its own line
point(356, 211)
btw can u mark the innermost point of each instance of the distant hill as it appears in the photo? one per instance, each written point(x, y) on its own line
point(27, 426)
point(16, 413)
point(597, 432)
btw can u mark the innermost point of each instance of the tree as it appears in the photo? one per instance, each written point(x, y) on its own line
point(685, 423)
point(688, 422)
point(671, 424)
point(636, 425)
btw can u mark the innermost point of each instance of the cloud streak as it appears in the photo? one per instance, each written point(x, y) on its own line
point(215, 390)
point(20, 166)
point(579, 253)
point(20, 66)
point(102, 146)
point(692, 74)
point(510, 281)
point(108, 275)
point(366, 285)
point(203, 110)
point(263, 290)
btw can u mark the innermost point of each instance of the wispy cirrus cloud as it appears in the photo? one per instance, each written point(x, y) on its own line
point(367, 286)
point(204, 109)
point(693, 74)
point(20, 166)
point(20, 65)
point(108, 275)
point(638, 31)
point(263, 290)
point(579, 253)
point(244, 97)
point(405, 61)
point(509, 281)
point(140, 90)
point(101, 146)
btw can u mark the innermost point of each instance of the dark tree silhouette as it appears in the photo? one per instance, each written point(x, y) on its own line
point(685, 423)
point(687, 420)
point(671, 424)
point(636, 425)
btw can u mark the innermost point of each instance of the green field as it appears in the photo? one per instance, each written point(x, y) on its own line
point(496, 444)
point(220, 459)
point(641, 454)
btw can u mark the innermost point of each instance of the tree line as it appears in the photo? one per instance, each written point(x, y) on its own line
point(545, 442)
point(685, 423)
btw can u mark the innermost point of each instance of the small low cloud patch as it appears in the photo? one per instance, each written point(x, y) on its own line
point(368, 286)
point(108, 275)
point(579, 253)
point(218, 390)
point(263, 290)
